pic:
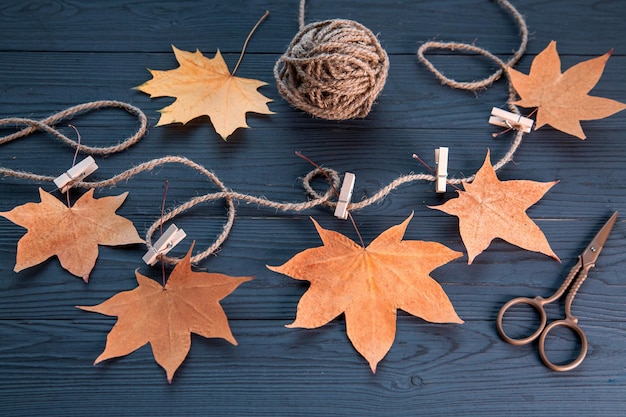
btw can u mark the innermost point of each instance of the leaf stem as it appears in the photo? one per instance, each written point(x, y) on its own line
point(67, 194)
point(421, 161)
point(245, 44)
point(78, 146)
point(432, 171)
point(356, 229)
point(161, 229)
point(330, 182)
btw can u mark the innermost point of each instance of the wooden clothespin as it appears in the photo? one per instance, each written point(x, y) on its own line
point(441, 160)
point(510, 120)
point(345, 195)
point(77, 173)
point(172, 237)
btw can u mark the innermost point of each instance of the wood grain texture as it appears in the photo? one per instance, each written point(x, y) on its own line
point(61, 53)
point(141, 26)
point(271, 373)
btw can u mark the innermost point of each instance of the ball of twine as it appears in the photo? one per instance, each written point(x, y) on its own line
point(332, 69)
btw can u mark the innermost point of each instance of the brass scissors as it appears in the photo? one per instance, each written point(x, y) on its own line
point(576, 276)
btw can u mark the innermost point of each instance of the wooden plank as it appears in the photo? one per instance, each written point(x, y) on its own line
point(477, 291)
point(146, 26)
point(38, 84)
point(316, 373)
point(251, 167)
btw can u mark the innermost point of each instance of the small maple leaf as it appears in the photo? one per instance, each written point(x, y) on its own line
point(561, 98)
point(72, 234)
point(204, 86)
point(369, 284)
point(165, 316)
point(490, 208)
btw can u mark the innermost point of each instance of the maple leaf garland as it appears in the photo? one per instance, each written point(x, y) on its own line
point(490, 208)
point(165, 316)
point(204, 86)
point(72, 234)
point(369, 284)
point(561, 98)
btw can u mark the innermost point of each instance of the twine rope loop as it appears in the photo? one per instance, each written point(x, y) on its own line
point(478, 85)
point(47, 125)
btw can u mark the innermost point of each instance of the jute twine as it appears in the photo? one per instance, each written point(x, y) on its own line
point(478, 85)
point(48, 125)
point(333, 69)
point(315, 198)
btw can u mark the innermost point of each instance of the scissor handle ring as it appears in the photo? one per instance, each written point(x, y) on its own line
point(573, 325)
point(536, 303)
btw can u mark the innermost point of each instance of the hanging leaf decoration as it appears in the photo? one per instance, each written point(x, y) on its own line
point(562, 99)
point(369, 284)
point(70, 233)
point(165, 316)
point(490, 208)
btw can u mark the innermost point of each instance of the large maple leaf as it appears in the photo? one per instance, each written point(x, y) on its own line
point(165, 316)
point(204, 86)
point(70, 233)
point(490, 208)
point(369, 284)
point(561, 98)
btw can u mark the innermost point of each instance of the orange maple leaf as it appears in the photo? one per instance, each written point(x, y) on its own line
point(204, 86)
point(490, 208)
point(165, 316)
point(561, 98)
point(72, 234)
point(369, 284)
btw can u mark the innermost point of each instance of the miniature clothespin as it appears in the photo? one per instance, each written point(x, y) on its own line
point(345, 195)
point(77, 173)
point(172, 237)
point(510, 120)
point(441, 160)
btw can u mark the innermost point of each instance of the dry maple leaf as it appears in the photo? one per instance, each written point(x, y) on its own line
point(369, 284)
point(72, 234)
point(165, 316)
point(204, 86)
point(490, 208)
point(561, 98)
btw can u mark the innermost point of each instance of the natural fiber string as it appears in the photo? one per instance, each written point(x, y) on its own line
point(485, 82)
point(301, 14)
point(223, 193)
point(332, 69)
point(295, 95)
point(316, 200)
point(470, 86)
point(229, 195)
point(47, 126)
point(464, 47)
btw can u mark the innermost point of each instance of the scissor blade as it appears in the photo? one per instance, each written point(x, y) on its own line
point(591, 253)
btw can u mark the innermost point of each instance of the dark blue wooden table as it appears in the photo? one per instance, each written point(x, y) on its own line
point(56, 54)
